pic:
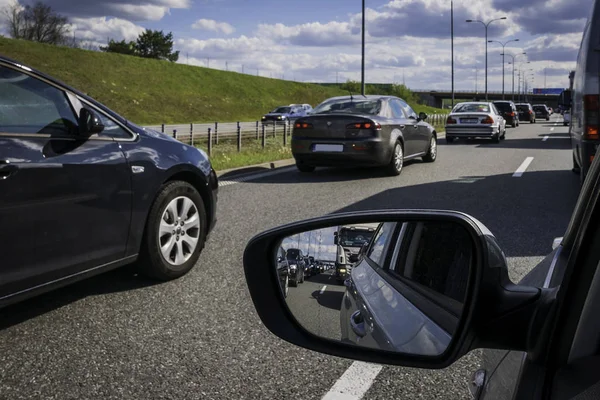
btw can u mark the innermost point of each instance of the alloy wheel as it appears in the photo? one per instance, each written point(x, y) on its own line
point(179, 230)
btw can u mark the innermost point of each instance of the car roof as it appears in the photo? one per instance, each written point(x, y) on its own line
point(360, 96)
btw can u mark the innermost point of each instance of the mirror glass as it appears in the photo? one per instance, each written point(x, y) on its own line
point(395, 286)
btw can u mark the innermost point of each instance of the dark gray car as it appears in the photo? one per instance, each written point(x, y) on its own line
point(363, 131)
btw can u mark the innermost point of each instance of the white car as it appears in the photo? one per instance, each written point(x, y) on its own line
point(567, 118)
point(475, 120)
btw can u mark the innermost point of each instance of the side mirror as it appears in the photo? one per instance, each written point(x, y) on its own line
point(89, 122)
point(443, 291)
point(422, 116)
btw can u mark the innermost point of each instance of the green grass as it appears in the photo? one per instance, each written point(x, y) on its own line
point(225, 155)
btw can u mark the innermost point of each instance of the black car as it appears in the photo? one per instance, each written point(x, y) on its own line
point(362, 131)
point(509, 112)
point(541, 111)
point(90, 190)
point(309, 268)
point(297, 265)
point(526, 112)
point(283, 271)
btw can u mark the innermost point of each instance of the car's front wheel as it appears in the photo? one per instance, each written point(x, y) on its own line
point(449, 139)
point(175, 232)
point(397, 162)
point(432, 152)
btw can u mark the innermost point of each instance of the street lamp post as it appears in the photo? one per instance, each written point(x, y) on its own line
point(503, 46)
point(513, 71)
point(362, 68)
point(486, 25)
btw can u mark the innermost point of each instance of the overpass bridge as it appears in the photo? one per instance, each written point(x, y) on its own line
point(435, 98)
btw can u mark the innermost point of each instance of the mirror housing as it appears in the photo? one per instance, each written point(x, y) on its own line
point(422, 116)
point(89, 122)
point(496, 314)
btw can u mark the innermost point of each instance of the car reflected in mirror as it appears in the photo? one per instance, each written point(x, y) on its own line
point(395, 286)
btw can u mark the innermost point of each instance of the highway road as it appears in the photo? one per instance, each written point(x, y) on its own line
point(118, 336)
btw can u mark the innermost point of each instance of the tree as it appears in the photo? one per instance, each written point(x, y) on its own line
point(155, 44)
point(351, 86)
point(121, 47)
point(38, 23)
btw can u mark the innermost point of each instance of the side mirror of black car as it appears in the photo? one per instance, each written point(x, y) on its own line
point(89, 123)
point(432, 286)
point(422, 116)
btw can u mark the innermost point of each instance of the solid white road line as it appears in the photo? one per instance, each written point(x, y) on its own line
point(523, 167)
point(249, 177)
point(355, 382)
point(323, 289)
point(545, 138)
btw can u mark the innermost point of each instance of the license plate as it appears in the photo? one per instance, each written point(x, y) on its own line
point(469, 121)
point(335, 148)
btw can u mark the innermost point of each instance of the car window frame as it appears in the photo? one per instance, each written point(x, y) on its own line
point(385, 251)
point(408, 110)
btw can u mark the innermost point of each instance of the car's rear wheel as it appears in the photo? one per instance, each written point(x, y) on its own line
point(175, 232)
point(302, 276)
point(514, 124)
point(294, 283)
point(496, 138)
point(397, 162)
point(304, 168)
point(432, 152)
point(450, 139)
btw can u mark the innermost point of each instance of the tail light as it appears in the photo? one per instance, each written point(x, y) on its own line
point(364, 125)
point(512, 113)
point(302, 125)
point(591, 105)
point(450, 121)
point(487, 120)
point(530, 112)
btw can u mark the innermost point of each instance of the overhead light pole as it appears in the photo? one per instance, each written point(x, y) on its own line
point(513, 71)
point(503, 46)
point(362, 68)
point(452, 45)
point(486, 25)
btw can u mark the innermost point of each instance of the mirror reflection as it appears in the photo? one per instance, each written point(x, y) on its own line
point(396, 286)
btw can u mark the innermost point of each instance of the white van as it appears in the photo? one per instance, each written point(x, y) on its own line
point(585, 109)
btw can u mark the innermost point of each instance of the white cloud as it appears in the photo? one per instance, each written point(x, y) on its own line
point(99, 30)
point(315, 34)
point(212, 25)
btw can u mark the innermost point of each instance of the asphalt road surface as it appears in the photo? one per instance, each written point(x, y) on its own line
point(118, 336)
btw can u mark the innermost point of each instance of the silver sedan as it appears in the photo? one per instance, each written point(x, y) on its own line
point(475, 120)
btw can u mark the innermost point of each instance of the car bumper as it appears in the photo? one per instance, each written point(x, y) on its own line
point(472, 131)
point(587, 152)
point(214, 194)
point(360, 152)
point(274, 122)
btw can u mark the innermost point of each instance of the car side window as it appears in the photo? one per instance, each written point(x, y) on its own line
point(495, 109)
point(379, 248)
point(408, 110)
point(30, 105)
point(436, 256)
point(397, 111)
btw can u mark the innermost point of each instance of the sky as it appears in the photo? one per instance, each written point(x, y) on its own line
point(407, 41)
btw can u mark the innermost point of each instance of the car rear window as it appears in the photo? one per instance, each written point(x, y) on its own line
point(523, 107)
point(473, 107)
point(503, 107)
point(539, 108)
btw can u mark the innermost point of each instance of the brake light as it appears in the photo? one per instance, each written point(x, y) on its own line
point(512, 114)
point(591, 105)
point(302, 125)
point(450, 121)
point(487, 120)
point(530, 112)
point(364, 125)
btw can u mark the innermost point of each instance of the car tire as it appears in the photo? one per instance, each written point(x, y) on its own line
point(547, 118)
point(450, 139)
point(576, 168)
point(302, 276)
point(514, 124)
point(496, 138)
point(394, 168)
point(294, 283)
point(186, 240)
point(432, 152)
point(565, 124)
point(305, 168)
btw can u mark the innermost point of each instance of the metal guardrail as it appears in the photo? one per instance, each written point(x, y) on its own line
point(210, 134)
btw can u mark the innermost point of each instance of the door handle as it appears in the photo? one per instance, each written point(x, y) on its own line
point(7, 169)
point(415, 126)
point(402, 126)
point(357, 324)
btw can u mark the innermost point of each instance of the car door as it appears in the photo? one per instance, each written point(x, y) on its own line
point(407, 126)
point(422, 134)
point(65, 200)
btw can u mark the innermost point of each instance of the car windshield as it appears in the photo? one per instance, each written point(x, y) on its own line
point(355, 238)
point(282, 110)
point(471, 107)
point(349, 106)
point(293, 254)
